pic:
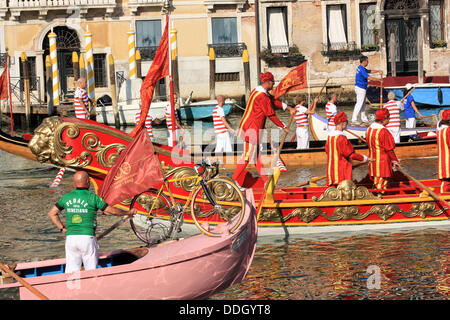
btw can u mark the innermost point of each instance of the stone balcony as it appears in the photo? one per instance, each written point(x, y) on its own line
point(71, 6)
point(211, 3)
point(134, 5)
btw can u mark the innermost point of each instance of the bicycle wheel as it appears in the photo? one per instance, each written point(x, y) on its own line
point(229, 209)
point(143, 224)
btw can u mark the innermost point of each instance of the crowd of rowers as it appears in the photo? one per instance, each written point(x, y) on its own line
point(381, 135)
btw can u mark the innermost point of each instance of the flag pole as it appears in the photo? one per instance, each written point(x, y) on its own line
point(9, 93)
point(172, 103)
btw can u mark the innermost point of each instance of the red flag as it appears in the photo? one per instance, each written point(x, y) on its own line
point(136, 170)
point(158, 70)
point(4, 83)
point(294, 80)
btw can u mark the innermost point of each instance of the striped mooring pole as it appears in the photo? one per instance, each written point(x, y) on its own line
point(58, 178)
point(55, 73)
point(132, 54)
point(89, 66)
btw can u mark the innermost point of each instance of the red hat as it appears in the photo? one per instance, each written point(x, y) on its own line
point(446, 114)
point(266, 77)
point(381, 114)
point(340, 117)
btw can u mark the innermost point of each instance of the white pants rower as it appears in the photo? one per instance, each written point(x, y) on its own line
point(169, 137)
point(410, 123)
point(395, 131)
point(223, 142)
point(360, 106)
point(81, 249)
point(302, 137)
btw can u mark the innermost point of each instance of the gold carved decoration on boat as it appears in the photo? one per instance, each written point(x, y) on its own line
point(347, 191)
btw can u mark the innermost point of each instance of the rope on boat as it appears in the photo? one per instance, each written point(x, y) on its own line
point(58, 178)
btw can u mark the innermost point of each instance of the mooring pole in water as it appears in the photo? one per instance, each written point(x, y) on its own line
point(112, 82)
point(246, 64)
point(212, 74)
point(174, 56)
point(49, 82)
point(26, 89)
point(76, 68)
point(138, 64)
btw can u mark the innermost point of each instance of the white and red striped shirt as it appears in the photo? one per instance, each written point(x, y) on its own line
point(147, 123)
point(81, 103)
point(301, 118)
point(331, 110)
point(219, 125)
point(394, 113)
point(169, 116)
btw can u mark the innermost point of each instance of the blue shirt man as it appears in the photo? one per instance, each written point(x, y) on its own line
point(361, 77)
point(410, 108)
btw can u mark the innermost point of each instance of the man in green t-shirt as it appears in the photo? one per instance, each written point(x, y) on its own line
point(81, 207)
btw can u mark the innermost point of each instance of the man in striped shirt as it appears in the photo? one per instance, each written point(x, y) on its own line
point(223, 140)
point(340, 152)
point(331, 110)
point(381, 150)
point(81, 100)
point(147, 123)
point(394, 108)
point(301, 120)
point(443, 142)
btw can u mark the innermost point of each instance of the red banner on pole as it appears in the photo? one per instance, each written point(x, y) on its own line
point(136, 170)
point(158, 70)
point(4, 89)
point(294, 80)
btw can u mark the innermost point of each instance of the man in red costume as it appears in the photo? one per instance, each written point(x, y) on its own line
point(381, 150)
point(340, 152)
point(259, 107)
point(443, 142)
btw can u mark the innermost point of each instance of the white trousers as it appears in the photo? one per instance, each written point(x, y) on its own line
point(410, 123)
point(81, 249)
point(169, 137)
point(360, 106)
point(395, 131)
point(302, 137)
point(223, 142)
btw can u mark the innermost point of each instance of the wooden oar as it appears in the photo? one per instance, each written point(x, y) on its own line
point(277, 154)
point(427, 189)
point(407, 94)
point(381, 93)
point(36, 292)
point(115, 225)
point(358, 136)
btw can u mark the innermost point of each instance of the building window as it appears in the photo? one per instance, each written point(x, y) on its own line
point(337, 27)
point(367, 19)
point(277, 29)
point(224, 30)
point(100, 74)
point(436, 22)
point(148, 35)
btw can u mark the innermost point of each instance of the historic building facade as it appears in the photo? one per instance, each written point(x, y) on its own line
point(330, 34)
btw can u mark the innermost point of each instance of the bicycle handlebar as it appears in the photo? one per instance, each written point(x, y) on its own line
point(205, 164)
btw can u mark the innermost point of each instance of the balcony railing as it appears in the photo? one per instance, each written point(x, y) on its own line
point(135, 4)
point(226, 50)
point(2, 60)
point(340, 49)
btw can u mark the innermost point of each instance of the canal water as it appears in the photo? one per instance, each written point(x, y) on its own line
point(398, 264)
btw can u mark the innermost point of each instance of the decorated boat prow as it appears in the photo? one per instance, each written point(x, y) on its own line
point(195, 267)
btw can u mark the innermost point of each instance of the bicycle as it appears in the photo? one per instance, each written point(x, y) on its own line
point(215, 198)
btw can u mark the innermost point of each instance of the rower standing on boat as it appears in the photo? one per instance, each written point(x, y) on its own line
point(301, 120)
point(259, 107)
point(443, 142)
point(81, 208)
point(361, 82)
point(410, 108)
point(340, 152)
point(394, 108)
point(81, 100)
point(381, 150)
point(148, 123)
point(222, 128)
point(331, 110)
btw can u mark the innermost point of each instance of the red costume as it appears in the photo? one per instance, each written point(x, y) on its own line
point(381, 149)
point(339, 153)
point(443, 142)
point(259, 107)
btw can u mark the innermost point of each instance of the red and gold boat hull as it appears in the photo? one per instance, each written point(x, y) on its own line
point(93, 147)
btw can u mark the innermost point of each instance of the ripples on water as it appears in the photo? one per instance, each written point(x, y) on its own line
point(413, 264)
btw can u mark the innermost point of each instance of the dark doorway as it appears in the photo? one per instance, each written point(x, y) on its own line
point(67, 42)
point(405, 32)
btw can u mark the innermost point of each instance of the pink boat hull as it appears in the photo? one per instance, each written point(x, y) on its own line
point(192, 268)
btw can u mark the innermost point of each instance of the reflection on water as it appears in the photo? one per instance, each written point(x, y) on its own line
point(411, 264)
